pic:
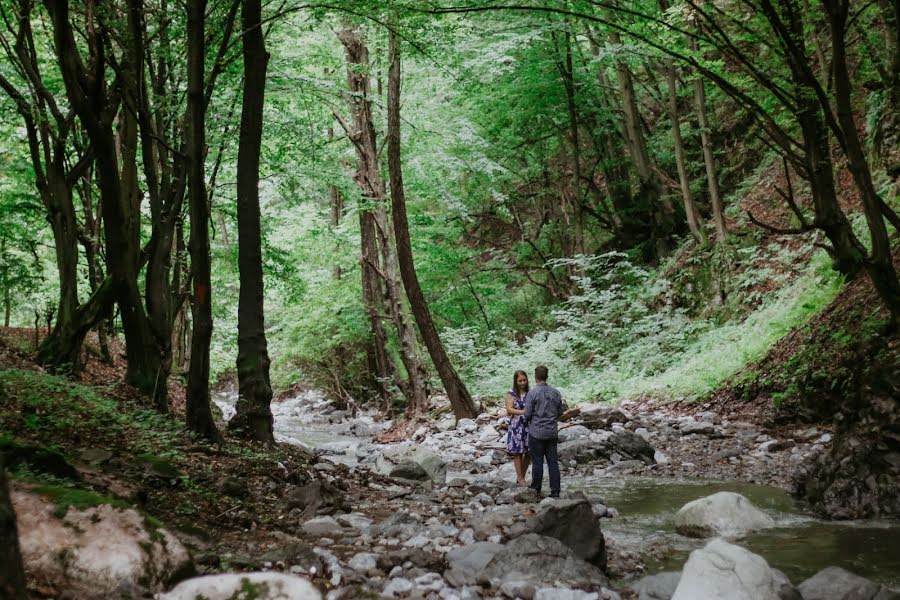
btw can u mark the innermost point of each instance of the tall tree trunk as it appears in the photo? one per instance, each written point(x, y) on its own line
point(880, 265)
point(90, 99)
point(566, 72)
point(12, 573)
point(460, 400)
point(650, 189)
point(709, 161)
point(690, 208)
point(368, 178)
point(254, 415)
point(417, 388)
point(197, 410)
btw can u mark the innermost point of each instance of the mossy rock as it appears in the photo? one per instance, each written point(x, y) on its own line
point(156, 466)
point(65, 497)
point(37, 459)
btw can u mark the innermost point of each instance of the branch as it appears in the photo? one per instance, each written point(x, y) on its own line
point(778, 230)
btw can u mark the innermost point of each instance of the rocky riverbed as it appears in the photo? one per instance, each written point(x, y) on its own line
point(441, 517)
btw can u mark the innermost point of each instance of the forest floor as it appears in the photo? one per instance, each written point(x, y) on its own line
point(233, 505)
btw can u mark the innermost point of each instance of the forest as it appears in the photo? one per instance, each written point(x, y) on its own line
point(268, 269)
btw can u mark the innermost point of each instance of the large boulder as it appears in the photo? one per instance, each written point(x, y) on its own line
point(835, 583)
point(723, 570)
point(631, 445)
point(574, 523)
point(722, 514)
point(258, 586)
point(95, 552)
point(393, 456)
point(532, 561)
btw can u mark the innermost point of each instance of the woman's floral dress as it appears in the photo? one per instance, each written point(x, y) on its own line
point(517, 436)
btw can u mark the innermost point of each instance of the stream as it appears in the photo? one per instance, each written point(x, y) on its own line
point(800, 544)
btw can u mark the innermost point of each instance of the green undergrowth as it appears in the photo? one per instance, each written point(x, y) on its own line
point(64, 497)
point(617, 339)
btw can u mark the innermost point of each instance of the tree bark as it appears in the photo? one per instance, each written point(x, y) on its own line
point(690, 208)
point(879, 265)
point(460, 400)
point(12, 573)
point(95, 107)
point(709, 161)
point(253, 418)
point(197, 411)
point(649, 194)
point(368, 178)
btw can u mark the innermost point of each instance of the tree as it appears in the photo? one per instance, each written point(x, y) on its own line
point(197, 409)
point(253, 416)
point(381, 284)
point(97, 107)
point(12, 574)
point(460, 400)
point(49, 131)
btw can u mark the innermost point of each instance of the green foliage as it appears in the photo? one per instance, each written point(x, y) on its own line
point(70, 497)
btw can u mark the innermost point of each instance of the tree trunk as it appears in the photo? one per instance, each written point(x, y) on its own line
point(650, 190)
point(460, 400)
point(118, 189)
point(566, 72)
point(368, 178)
point(880, 265)
point(690, 209)
point(197, 410)
point(12, 573)
point(708, 158)
point(254, 415)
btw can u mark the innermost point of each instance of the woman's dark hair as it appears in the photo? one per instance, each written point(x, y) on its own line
point(515, 386)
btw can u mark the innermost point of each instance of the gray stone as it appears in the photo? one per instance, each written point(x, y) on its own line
point(723, 570)
point(541, 560)
point(573, 523)
point(699, 427)
point(262, 586)
point(573, 432)
point(316, 498)
point(564, 594)
point(657, 587)
point(835, 583)
point(294, 554)
point(724, 513)
point(517, 495)
point(464, 565)
point(322, 527)
point(431, 463)
point(363, 562)
point(409, 470)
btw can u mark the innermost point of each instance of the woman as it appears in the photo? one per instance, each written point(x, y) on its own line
point(517, 436)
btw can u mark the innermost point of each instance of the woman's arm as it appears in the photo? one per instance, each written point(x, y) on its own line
point(509, 407)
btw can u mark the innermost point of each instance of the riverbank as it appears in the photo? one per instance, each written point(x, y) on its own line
point(359, 518)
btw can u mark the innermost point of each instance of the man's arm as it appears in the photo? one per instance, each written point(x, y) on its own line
point(529, 405)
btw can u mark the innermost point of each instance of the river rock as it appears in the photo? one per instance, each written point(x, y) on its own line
point(259, 586)
point(573, 523)
point(316, 498)
point(409, 470)
point(657, 587)
point(429, 461)
point(723, 570)
point(581, 450)
point(295, 554)
point(465, 564)
point(466, 426)
point(835, 583)
point(400, 525)
point(363, 562)
point(631, 445)
point(94, 552)
point(564, 594)
point(539, 560)
point(322, 527)
point(573, 432)
point(724, 514)
point(700, 427)
point(517, 495)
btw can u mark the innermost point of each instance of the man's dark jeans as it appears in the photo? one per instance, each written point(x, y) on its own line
point(539, 450)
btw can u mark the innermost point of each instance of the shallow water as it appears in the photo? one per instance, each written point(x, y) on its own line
point(800, 544)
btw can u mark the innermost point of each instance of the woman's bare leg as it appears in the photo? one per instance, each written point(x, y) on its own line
point(526, 462)
point(520, 472)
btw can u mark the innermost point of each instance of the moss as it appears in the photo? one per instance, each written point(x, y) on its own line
point(65, 497)
point(157, 466)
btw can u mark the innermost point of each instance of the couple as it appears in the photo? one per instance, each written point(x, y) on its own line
point(534, 415)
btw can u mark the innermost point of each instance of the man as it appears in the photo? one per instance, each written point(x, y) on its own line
point(543, 408)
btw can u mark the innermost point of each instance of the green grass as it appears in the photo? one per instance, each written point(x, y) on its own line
point(64, 497)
